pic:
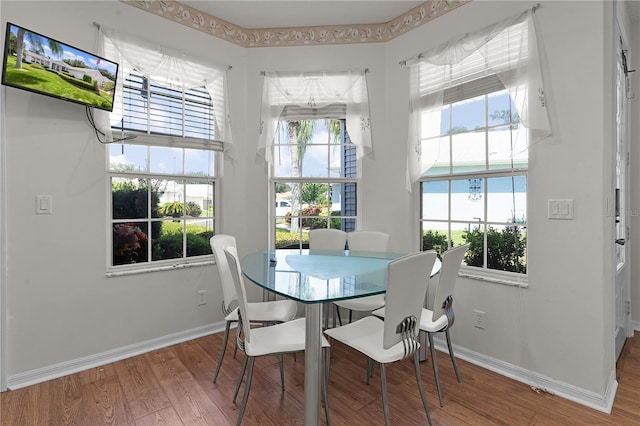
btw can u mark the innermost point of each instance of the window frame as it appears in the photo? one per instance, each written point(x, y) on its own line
point(164, 264)
point(150, 140)
point(485, 87)
point(274, 180)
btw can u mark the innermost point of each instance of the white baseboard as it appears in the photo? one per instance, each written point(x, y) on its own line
point(581, 396)
point(635, 325)
point(43, 374)
point(602, 403)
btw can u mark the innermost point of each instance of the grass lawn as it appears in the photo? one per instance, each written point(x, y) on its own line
point(36, 77)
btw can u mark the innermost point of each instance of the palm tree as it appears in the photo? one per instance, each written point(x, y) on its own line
point(36, 43)
point(300, 134)
point(334, 134)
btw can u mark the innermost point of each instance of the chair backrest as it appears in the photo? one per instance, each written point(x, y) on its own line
point(218, 244)
point(368, 241)
point(231, 254)
point(327, 239)
point(407, 281)
point(451, 262)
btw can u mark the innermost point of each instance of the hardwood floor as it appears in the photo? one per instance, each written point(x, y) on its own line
point(172, 386)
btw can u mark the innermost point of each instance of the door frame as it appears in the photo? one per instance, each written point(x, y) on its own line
point(3, 251)
point(621, 306)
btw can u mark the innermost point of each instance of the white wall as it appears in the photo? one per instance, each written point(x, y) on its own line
point(61, 307)
point(559, 328)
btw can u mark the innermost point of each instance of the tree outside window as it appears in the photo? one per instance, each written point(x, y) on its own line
point(315, 174)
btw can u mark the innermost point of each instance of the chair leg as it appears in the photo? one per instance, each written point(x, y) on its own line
point(338, 312)
point(370, 367)
point(222, 350)
point(416, 363)
point(242, 370)
point(247, 387)
point(350, 316)
point(281, 371)
point(453, 358)
point(434, 364)
point(235, 346)
point(325, 384)
point(385, 401)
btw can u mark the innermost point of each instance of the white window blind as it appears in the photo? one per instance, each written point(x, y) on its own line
point(504, 55)
point(168, 94)
point(167, 116)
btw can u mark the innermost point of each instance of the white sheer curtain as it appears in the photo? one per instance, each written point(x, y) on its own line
point(312, 92)
point(508, 50)
point(167, 67)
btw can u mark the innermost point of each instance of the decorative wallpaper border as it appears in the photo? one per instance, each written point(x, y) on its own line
point(297, 36)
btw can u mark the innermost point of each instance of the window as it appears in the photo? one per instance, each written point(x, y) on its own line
point(477, 103)
point(314, 128)
point(163, 186)
point(171, 121)
point(475, 192)
point(314, 177)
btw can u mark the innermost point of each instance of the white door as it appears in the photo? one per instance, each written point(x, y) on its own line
point(622, 287)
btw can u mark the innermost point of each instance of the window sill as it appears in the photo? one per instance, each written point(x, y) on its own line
point(497, 277)
point(137, 269)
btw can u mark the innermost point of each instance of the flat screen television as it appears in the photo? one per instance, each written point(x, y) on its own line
point(43, 65)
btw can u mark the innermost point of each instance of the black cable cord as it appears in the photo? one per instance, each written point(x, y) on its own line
point(99, 132)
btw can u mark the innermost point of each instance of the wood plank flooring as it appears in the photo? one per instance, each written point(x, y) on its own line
point(172, 386)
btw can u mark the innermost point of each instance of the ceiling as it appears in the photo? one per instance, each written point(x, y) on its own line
point(301, 13)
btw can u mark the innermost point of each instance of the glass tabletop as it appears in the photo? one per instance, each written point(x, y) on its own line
point(318, 276)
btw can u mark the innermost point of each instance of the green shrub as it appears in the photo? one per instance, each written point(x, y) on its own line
point(129, 201)
point(172, 208)
point(168, 245)
point(285, 238)
point(506, 249)
point(198, 243)
point(433, 240)
point(193, 209)
point(108, 86)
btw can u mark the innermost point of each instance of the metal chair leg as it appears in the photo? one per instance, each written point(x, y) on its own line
point(338, 312)
point(281, 371)
point(350, 316)
point(453, 358)
point(385, 400)
point(416, 363)
point(434, 364)
point(222, 350)
point(242, 370)
point(247, 387)
point(325, 384)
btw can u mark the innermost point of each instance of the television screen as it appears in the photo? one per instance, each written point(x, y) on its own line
point(43, 65)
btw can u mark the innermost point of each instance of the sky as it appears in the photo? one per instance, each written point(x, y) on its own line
point(69, 52)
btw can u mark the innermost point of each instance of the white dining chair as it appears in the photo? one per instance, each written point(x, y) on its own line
point(327, 239)
point(395, 337)
point(258, 312)
point(268, 340)
point(363, 242)
point(441, 317)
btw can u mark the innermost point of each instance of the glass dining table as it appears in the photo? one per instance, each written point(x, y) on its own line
point(315, 277)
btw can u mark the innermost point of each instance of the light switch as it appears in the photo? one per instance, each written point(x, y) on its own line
point(44, 204)
point(560, 209)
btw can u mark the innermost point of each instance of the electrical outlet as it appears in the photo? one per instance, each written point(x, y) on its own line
point(480, 319)
point(202, 297)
